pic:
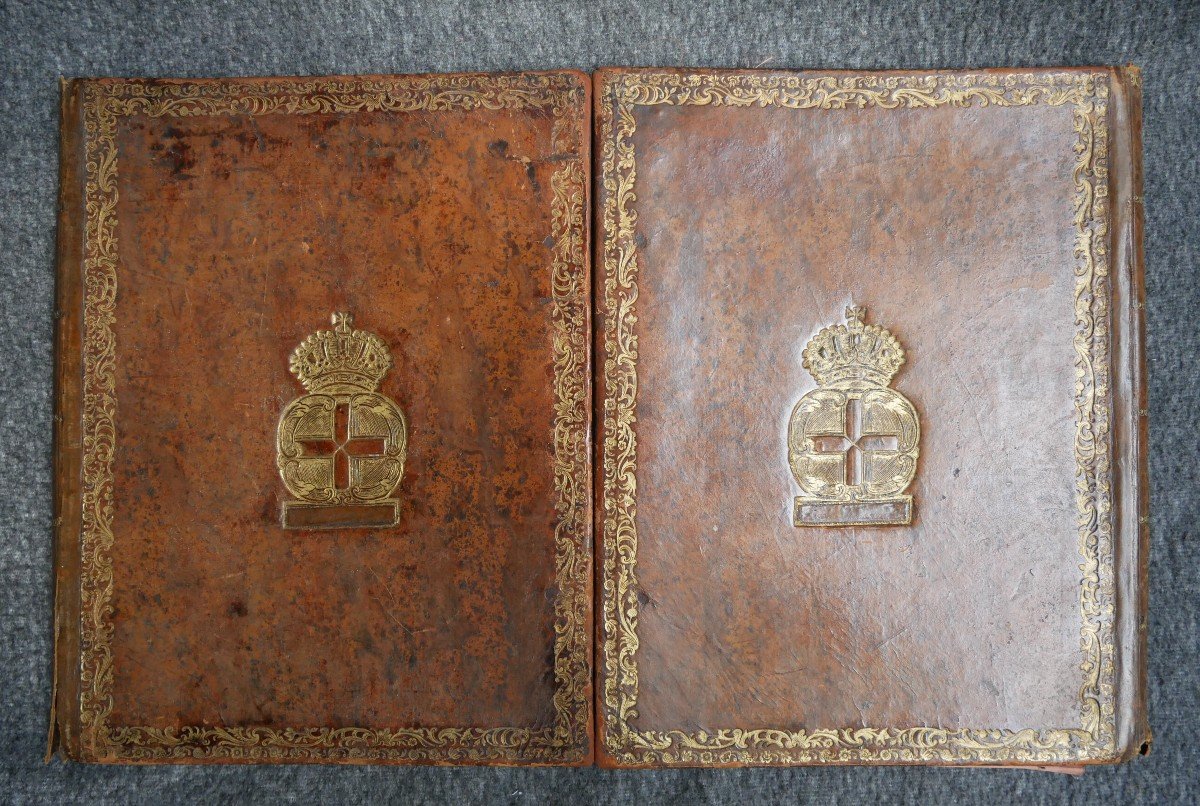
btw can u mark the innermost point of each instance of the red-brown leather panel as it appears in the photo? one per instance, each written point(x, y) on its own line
point(238, 236)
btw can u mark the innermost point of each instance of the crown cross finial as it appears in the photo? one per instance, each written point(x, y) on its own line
point(342, 322)
point(855, 313)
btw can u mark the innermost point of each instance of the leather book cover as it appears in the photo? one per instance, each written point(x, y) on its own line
point(870, 397)
point(323, 420)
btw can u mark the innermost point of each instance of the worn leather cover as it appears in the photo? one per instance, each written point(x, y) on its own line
point(990, 221)
point(763, 238)
point(208, 229)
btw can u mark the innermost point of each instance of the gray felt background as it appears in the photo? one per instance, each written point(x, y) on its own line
point(40, 41)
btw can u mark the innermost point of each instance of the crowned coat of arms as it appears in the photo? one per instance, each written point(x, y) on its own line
point(341, 447)
point(852, 442)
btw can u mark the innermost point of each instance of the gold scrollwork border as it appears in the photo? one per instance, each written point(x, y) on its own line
point(560, 95)
point(619, 94)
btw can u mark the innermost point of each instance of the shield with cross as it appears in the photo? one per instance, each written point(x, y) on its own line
point(341, 448)
point(853, 442)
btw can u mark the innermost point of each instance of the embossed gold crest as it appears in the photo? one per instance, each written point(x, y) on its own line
point(341, 447)
point(852, 442)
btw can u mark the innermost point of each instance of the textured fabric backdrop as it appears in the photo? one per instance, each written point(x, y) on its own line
point(41, 41)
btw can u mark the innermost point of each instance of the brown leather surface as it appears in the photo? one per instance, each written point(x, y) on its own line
point(1131, 414)
point(951, 235)
point(755, 227)
point(67, 437)
point(238, 236)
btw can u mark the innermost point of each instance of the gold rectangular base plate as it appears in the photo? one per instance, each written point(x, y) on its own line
point(882, 512)
point(300, 515)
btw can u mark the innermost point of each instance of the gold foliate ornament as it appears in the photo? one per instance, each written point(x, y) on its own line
point(852, 442)
point(341, 447)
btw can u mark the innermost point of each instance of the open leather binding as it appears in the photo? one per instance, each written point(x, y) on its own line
point(836, 457)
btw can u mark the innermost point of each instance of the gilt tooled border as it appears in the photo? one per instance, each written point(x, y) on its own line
point(1094, 737)
point(567, 738)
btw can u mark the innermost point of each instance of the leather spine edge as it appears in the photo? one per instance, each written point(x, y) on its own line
point(68, 378)
point(1131, 407)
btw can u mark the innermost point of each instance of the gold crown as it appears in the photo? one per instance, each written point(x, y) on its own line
point(853, 355)
point(341, 360)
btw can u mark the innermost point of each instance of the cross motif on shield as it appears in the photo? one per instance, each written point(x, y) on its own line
point(852, 444)
point(343, 448)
